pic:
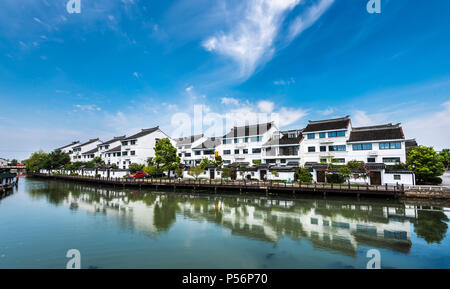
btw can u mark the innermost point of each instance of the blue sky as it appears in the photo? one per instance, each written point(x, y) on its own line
point(123, 65)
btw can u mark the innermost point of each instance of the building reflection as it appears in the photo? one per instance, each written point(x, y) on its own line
point(337, 225)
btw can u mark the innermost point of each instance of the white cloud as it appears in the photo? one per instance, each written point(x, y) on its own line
point(137, 74)
point(431, 129)
point(189, 88)
point(229, 100)
point(327, 111)
point(86, 107)
point(283, 82)
point(304, 21)
point(252, 39)
point(265, 106)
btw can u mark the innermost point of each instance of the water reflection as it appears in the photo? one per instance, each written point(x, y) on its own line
point(337, 225)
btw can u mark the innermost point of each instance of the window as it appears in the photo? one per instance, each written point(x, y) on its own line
point(256, 139)
point(397, 177)
point(124, 153)
point(311, 149)
point(322, 135)
point(125, 143)
point(133, 153)
point(133, 142)
point(227, 152)
point(236, 140)
point(323, 161)
point(245, 151)
point(246, 139)
point(187, 154)
point(338, 148)
point(314, 221)
point(311, 135)
point(226, 141)
point(338, 161)
point(236, 152)
point(336, 133)
point(390, 145)
point(227, 162)
point(362, 147)
point(370, 160)
point(256, 151)
point(323, 148)
point(283, 161)
point(208, 152)
point(197, 153)
point(391, 160)
point(106, 147)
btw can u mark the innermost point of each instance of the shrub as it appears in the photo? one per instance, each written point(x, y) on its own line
point(335, 178)
point(135, 168)
point(304, 175)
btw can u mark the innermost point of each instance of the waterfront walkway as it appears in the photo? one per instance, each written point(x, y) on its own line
point(242, 185)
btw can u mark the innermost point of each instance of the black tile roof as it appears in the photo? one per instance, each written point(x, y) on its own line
point(285, 139)
point(90, 152)
point(116, 149)
point(73, 143)
point(142, 133)
point(88, 142)
point(116, 138)
point(210, 143)
point(329, 124)
point(188, 139)
point(249, 130)
point(379, 132)
point(409, 143)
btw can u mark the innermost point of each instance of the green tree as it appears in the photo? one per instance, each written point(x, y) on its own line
point(36, 161)
point(56, 159)
point(135, 168)
point(445, 157)
point(304, 175)
point(98, 162)
point(218, 162)
point(196, 171)
point(204, 163)
point(166, 155)
point(256, 162)
point(345, 173)
point(150, 161)
point(226, 173)
point(13, 162)
point(425, 163)
point(150, 170)
point(431, 226)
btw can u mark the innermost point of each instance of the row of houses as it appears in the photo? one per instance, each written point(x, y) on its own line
point(265, 148)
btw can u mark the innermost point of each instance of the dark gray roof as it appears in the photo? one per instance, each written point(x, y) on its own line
point(116, 149)
point(88, 142)
point(210, 143)
point(73, 143)
point(142, 133)
point(249, 130)
point(375, 166)
point(285, 139)
point(90, 152)
point(188, 139)
point(116, 138)
point(410, 143)
point(328, 124)
point(379, 132)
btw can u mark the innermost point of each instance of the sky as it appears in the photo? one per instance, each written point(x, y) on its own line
point(193, 66)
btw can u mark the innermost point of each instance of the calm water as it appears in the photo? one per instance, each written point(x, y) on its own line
point(115, 228)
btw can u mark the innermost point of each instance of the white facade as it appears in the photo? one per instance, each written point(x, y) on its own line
point(68, 149)
point(79, 150)
point(139, 147)
point(184, 149)
point(3, 162)
point(244, 144)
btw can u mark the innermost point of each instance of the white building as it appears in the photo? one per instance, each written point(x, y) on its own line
point(113, 156)
point(83, 152)
point(206, 150)
point(105, 147)
point(243, 145)
point(140, 146)
point(184, 148)
point(283, 148)
point(3, 162)
point(68, 149)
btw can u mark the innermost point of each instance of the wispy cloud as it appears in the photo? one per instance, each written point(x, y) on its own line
point(229, 100)
point(283, 82)
point(86, 107)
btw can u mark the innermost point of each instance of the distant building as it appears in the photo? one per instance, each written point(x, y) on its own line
point(3, 162)
point(86, 151)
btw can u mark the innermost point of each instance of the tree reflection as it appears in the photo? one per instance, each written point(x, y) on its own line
point(431, 226)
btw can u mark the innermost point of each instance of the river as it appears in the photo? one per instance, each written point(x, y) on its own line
point(126, 228)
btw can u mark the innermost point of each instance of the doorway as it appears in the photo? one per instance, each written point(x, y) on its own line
point(375, 178)
point(321, 176)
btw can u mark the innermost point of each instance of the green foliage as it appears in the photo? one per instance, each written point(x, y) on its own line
point(345, 173)
point(114, 166)
point(166, 155)
point(356, 165)
point(445, 157)
point(398, 166)
point(150, 170)
point(275, 173)
point(226, 173)
point(13, 162)
point(426, 164)
point(150, 161)
point(178, 172)
point(431, 226)
point(98, 162)
point(36, 161)
point(196, 171)
point(256, 162)
point(56, 159)
point(304, 175)
point(335, 178)
point(204, 163)
point(135, 168)
point(218, 162)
